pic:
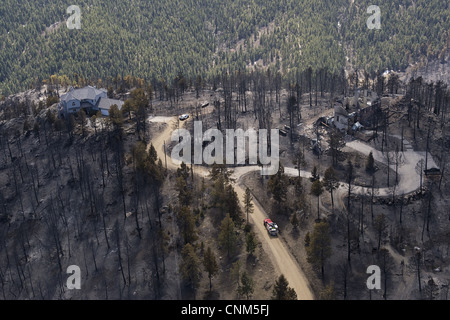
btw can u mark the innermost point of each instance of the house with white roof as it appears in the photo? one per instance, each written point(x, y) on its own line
point(89, 99)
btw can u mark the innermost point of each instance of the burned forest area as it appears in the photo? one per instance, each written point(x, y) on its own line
point(362, 181)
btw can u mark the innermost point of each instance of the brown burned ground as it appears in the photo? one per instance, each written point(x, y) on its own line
point(294, 240)
point(259, 265)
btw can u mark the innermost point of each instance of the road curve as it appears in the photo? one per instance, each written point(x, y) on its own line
point(283, 261)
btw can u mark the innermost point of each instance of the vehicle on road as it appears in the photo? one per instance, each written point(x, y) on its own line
point(272, 227)
point(184, 117)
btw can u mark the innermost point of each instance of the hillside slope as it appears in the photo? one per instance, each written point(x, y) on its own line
point(160, 39)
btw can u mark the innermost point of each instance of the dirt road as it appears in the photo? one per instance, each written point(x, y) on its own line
point(409, 178)
point(282, 259)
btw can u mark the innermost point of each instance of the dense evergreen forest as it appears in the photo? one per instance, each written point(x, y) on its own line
point(160, 39)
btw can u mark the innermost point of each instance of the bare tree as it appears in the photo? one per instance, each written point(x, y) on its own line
point(349, 178)
point(386, 264)
point(420, 167)
point(119, 252)
point(381, 226)
point(343, 274)
point(415, 266)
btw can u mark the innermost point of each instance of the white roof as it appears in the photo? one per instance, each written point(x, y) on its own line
point(106, 103)
point(86, 93)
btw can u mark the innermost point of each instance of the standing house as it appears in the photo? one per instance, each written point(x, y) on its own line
point(105, 104)
point(89, 99)
point(340, 118)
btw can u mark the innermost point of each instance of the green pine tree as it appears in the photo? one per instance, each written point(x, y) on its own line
point(282, 291)
point(210, 264)
point(319, 249)
point(227, 235)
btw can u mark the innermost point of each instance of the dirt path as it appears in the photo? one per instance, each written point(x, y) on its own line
point(282, 259)
point(409, 178)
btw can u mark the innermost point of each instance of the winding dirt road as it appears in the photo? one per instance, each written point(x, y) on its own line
point(283, 261)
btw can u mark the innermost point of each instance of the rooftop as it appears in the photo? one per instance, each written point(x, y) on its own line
point(86, 93)
point(106, 103)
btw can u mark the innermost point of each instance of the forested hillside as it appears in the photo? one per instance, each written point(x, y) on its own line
point(160, 39)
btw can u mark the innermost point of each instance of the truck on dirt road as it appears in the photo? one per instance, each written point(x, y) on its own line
point(272, 227)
